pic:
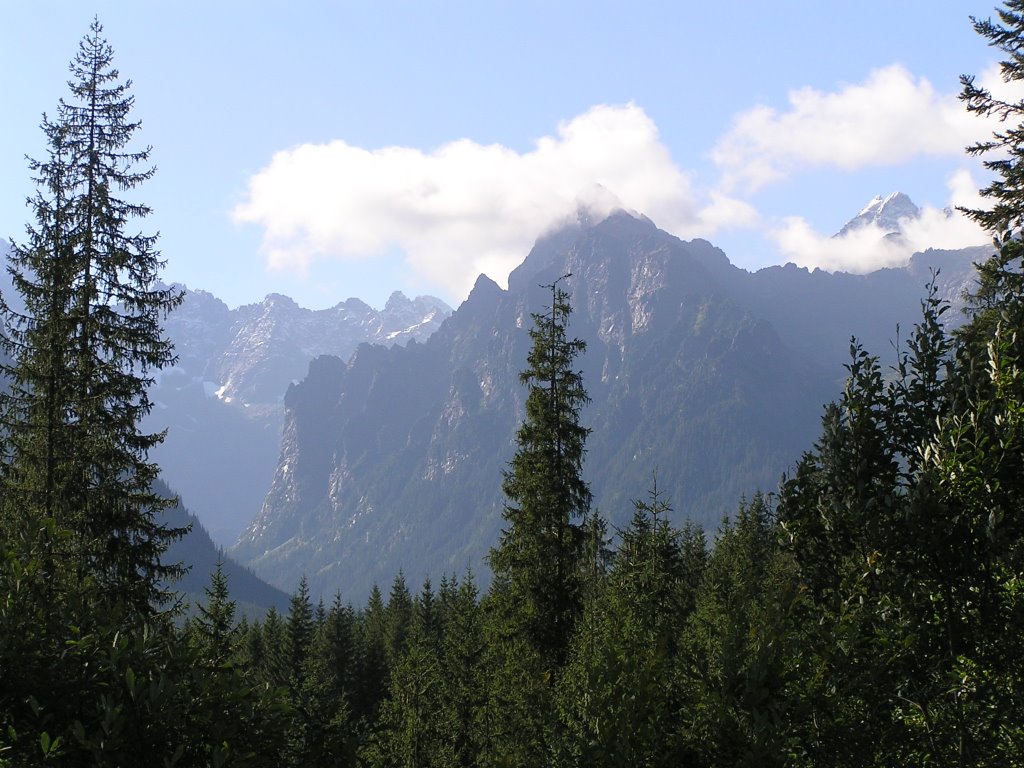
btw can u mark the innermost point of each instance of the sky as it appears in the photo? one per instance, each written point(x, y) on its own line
point(328, 150)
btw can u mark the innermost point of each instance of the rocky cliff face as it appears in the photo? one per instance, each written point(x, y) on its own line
point(223, 402)
point(711, 376)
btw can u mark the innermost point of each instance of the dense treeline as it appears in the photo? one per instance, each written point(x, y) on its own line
point(868, 613)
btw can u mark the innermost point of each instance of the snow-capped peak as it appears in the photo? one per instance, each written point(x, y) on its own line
point(885, 212)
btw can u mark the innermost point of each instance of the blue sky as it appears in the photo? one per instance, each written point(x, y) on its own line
point(335, 149)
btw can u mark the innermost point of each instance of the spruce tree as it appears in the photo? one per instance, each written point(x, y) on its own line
point(413, 729)
point(1005, 149)
point(214, 624)
point(87, 343)
point(398, 620)
point(617, 697)
point(339, 648)
point(539, 557)
point(300, 628)
point(741, 670)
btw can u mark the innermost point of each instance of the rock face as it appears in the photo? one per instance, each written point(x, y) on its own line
point(706, 374)
point(223, 402)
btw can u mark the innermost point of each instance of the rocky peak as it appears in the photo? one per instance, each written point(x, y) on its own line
point(484, 290)
point(279, 300)
point(397, 302)
point(885, 212)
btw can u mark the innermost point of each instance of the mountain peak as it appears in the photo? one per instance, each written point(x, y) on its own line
point(279, 300)
point(552, 245)
point(397, 301)
point(885, 212)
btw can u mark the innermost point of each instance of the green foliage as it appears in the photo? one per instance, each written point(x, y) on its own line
point(616, 697)
point(371, 643)
point(463, 686)
point(411, 730)
point(398, 620)
point(518, 715)
point(300, 627)
point(77, 687)
point(741, 661)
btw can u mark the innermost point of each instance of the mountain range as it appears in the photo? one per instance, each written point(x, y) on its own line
point(703, 375)
point(222, 403)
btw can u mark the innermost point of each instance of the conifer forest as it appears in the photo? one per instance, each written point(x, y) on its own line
point(869, 611)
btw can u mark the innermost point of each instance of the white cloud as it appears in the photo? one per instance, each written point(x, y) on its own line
point(466, 208)
point(867, 248)
point(463, 208)
point(890, 118)
point(725, 212)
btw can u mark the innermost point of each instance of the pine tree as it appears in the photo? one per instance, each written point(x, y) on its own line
point(87, 343)
point(539, 557)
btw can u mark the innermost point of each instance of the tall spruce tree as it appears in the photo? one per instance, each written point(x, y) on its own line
point(85, 347)
point(539, 556)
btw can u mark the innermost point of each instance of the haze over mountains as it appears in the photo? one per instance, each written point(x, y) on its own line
point(345, 459)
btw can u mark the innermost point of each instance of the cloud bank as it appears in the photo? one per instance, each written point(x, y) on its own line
point(464, 208)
